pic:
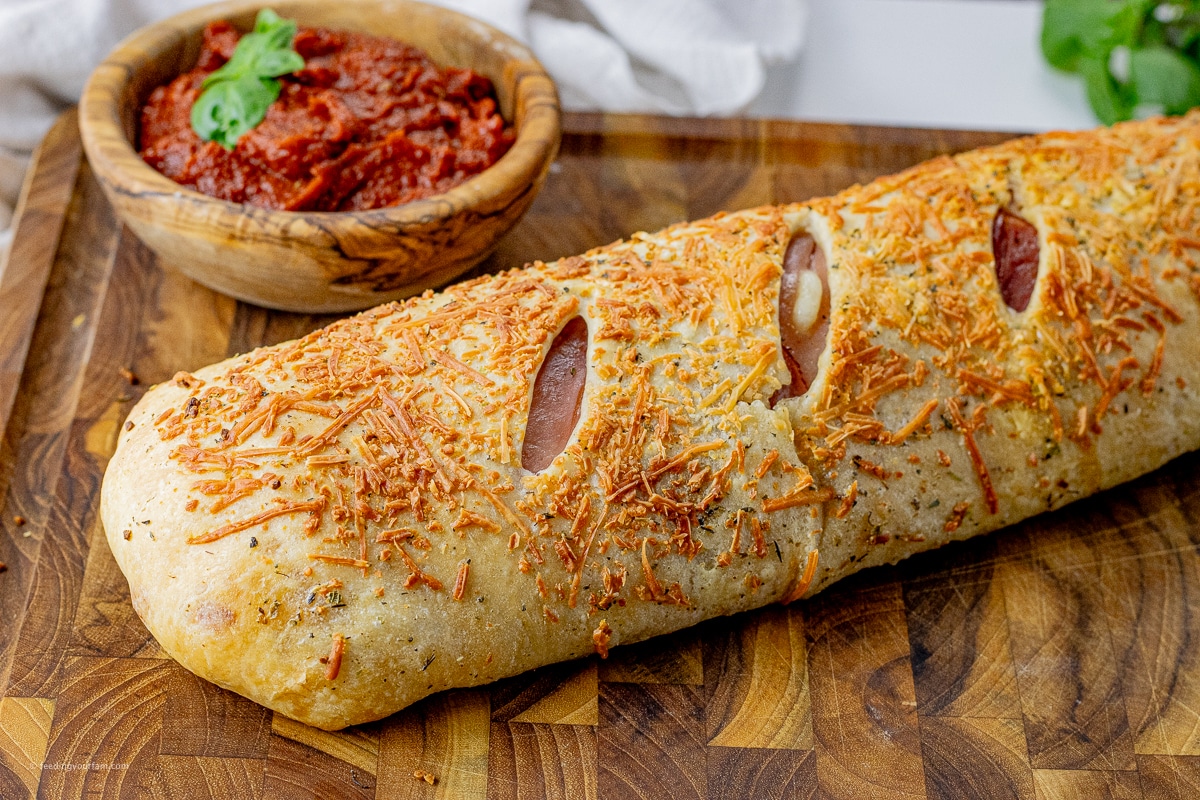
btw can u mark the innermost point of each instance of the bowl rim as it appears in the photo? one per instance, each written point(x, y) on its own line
point(114, 158)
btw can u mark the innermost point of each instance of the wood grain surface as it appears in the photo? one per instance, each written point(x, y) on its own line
point(1057, 659)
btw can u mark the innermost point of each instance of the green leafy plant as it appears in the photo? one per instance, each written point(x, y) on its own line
point(235, 98)
point(1135, 56)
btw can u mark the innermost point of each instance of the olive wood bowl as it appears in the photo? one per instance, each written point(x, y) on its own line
point(321, 261)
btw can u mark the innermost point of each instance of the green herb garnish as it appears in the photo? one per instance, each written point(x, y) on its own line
point(1135, 56)
point(235, 98)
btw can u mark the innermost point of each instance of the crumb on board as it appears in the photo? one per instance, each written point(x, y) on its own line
point(428, 777)
point(18, 520)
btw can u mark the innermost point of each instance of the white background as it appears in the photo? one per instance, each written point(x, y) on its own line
point(971, 64)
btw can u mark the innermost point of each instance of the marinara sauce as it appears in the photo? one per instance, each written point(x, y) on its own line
point(369, 122)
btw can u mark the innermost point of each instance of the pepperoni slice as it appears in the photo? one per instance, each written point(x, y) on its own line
point(1015, 248)
point(804, 329)
point(557, 397)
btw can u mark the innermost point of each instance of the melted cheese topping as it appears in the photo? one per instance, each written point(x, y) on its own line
point(809, 292)
point(402, 426)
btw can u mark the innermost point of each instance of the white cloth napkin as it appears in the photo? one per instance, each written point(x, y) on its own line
point(681, 57)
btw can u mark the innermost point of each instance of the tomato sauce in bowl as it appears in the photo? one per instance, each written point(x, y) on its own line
point(369, 122)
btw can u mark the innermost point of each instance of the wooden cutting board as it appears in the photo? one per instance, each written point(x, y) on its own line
point(1058, 658)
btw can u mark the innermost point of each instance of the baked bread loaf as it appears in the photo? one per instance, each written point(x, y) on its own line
point(340, 525)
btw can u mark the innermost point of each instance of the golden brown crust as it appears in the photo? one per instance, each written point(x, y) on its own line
point(341, 524)
point(1033, 409)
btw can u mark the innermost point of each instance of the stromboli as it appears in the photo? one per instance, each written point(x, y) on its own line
point(382, 454)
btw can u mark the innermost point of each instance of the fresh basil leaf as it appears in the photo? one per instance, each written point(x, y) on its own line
point(1184, 36)
point(231, 108)
point(241, 63)
point(1126, 22)
point(235, 98)
point(278, 32)
point(1131, 53)
point(1163, 77)
point(1103, 93)
point(257, 96)
point(1075, 29)
point(266, 20)
point(1181, 30)
point(217, 112)
point(274, 63)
